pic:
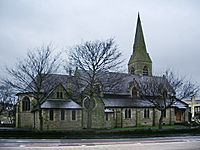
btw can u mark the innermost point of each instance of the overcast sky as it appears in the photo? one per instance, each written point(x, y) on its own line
point(171, 28)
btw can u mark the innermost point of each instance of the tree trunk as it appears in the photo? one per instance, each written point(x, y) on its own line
point(136, 122)
point(89, 119)
point(41, 119)
point(161, 119)
point(170, 115)
point(154, 117)
point(89, 111)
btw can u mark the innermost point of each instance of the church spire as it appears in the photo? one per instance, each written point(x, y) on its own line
point(139, 43)
point(140, 62)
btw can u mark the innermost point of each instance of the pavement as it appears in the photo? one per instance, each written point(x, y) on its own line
point(156, 143)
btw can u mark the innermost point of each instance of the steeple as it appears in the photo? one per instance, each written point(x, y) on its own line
point(140, 62)
point(139, 43)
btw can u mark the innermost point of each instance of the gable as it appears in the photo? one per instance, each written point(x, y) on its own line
point(59, 92)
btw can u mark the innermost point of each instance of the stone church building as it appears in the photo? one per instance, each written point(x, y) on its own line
point(117, 108)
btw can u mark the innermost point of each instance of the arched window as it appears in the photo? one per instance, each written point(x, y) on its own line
point(134, 92)
point(73, 115)
point(146, 113)
point(164, 113)
point(145, 71)
point(59, 95)
point(51, 114)
point(165, 94)
point(132, 70)
point(26, 104)
point(127, 113)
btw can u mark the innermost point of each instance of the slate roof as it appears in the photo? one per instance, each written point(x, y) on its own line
point(53, 80)
point(56, 104)
point(126, 81)
point(125, 103)
point(128, 102)
point(112, 82)
point(180, 104)
point(119, 83)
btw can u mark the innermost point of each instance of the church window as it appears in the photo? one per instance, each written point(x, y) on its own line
point(164, 113)
point(62, 114)
point(134, 92)
point(132, 70)
point(73, 114)
point(106, 116)
point(145, 71)
point(127, 113)
point(59, 95)
point(51, 114)
point(146, 113)
point(26, 104)
point(165, 94)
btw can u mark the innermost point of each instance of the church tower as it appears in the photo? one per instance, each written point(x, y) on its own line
point(140, 62)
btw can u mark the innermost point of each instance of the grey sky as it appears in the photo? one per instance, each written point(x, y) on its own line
point(171, 28)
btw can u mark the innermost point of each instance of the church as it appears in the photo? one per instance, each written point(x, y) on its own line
point(120, 107)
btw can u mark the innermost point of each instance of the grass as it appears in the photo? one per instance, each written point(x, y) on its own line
point(152, 127)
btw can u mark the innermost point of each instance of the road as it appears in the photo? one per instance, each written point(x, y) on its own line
point(159, 143)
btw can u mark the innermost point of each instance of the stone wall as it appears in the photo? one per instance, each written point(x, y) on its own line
point(24, 119)
point(138, 119)
point(154, 116)
point(97, 115)
point(129, 122)
point(58, 124)
point(36, 124)
point(138, 66)
point(186, 115)
point(110, 122)
point(170, 116)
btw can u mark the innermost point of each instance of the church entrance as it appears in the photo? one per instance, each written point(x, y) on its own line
point(178, 114)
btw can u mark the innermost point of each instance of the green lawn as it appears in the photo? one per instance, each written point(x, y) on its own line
point(153, 127)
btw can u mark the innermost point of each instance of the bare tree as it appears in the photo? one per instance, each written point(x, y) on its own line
point(93, 61)
point(182, 87)
point(29, 75)
point(163, 92)
point(7, 102)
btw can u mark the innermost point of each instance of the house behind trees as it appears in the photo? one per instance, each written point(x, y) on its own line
point(65, 105)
